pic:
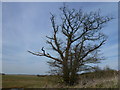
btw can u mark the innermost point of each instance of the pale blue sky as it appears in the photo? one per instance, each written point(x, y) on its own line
point(25, 25)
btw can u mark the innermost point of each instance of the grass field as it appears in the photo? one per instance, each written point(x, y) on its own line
point(101, 79)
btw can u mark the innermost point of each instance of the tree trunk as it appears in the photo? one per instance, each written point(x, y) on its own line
point(66, 72)
point(73, 76)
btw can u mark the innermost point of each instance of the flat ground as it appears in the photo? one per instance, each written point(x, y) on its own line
point(101, 79)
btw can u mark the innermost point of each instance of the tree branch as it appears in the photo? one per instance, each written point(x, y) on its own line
point(46, 55)
point(96, 47)
point(55, 38)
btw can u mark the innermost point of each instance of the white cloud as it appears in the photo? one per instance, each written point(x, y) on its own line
point(111, 54)
point(111, 50)
point(26, 30)
point(25, 68)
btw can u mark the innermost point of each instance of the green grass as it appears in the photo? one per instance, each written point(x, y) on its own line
point(27, 81)
point(0, 81)
point(101, 79)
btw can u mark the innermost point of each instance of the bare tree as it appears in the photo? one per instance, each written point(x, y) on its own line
point(82, 37)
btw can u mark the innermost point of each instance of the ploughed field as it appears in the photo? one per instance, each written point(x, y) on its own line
point(99, 79)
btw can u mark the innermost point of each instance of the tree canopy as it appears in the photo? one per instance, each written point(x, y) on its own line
point(82, 38)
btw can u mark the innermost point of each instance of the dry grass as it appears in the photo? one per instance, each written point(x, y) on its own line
point(99, 83)
point(103, 79)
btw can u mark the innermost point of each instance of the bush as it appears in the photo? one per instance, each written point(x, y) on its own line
point(38, 75)
point(3, 73)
